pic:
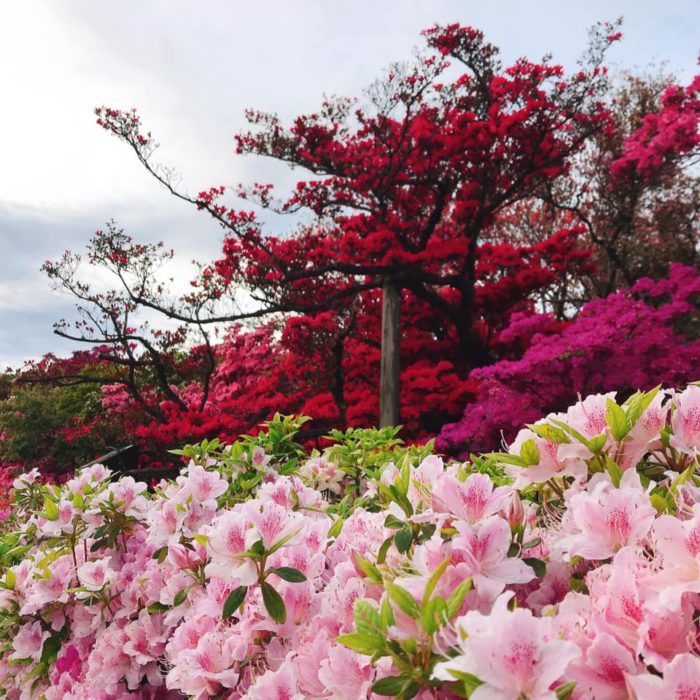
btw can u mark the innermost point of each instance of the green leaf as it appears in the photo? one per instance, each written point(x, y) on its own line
point(432, 614)
point(389, 685)
point(537, 565)
point(616, 419)
point(471, 682)
point(368, 569)
point(336, 528)
point(49, 652)
point(401, 499)
point(155, 608)
point(234, 601)
point(529, 453)
point(505, 458)
point(362, 643)
point(454, 602)
point(273, 603)
point(290, 574)
point(403, 539)
point(180, 596)
point(563, 692)
point(435, 577)
point(393, 523)
point(406, 602)
point(571, 431)
point(280, 543)
point(549, 433)
point(638, 403)
point(381, 554)
point(10, 579)
point(78, 500)
point(50, 509)
point(367, 618)
point(160, 554)
point(614, 470)
point(386, 614)
point(596, 444)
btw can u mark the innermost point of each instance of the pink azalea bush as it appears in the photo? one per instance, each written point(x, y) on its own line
point(567, 566)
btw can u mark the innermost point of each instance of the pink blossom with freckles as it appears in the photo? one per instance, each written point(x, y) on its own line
point(606, 519)
point(94, 575)
point(472, 499)
point(555, 459)
point(484, 550)
point(681, 681)
point(230, 535)
point(276, 685)
point(588, 416)
point(205, 485)
point(28, 642)
point(273, 522)
point(685, 421)
point(645, 434)
point(515, 654)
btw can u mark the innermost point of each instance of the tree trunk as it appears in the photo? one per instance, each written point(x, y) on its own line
point(389, 374)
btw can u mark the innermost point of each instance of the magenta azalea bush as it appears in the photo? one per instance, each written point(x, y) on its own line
point(633, 339)
point(566, 567)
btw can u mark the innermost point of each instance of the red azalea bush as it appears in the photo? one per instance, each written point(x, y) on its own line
point(565, 568)
point(634, 339)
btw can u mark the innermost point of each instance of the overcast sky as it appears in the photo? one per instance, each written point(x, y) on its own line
point(191, 69)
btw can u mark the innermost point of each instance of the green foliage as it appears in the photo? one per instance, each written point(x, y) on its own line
point(38, 419)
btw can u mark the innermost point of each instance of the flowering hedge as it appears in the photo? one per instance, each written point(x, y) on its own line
point(567, 567)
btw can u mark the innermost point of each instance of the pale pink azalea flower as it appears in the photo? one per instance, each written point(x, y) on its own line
point(276, 685)
point(685, 421)
point(24, 481)
point(94, 576)
point(50, 587)
point(323, 474)
point(588, 416)
point(28, 642)
point(165, 523)
point(556, 459)
point(64, 521)
point(605, 519)
point(553, 588)
point(205, 485)
point(210, 667)
point(345, 674)
point(678, 547)
point(198, 516)
point(483, 548)
point(230, 535)
point(472, 499)
point(129, 493)
point(602, 672)
point(645, 434)
point(668, 632)
point(307, 662)
point(681, 681)
point(513, 653)
point(273, 523)
point(618, 595)
point(185, 558)
point(260, 459)
point(188, 634)
point(145, 638)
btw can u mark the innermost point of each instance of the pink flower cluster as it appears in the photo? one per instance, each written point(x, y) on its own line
point(567, 567)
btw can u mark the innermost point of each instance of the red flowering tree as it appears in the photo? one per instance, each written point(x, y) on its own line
point(401, 196)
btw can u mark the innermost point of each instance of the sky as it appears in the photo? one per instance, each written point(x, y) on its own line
point(191, 69)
